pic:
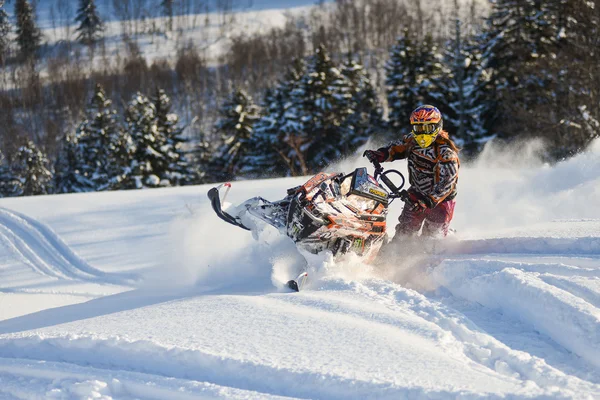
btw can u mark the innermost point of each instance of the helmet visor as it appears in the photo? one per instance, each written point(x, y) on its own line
point(425, 129)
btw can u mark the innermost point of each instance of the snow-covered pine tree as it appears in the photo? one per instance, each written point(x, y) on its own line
point(323, 111)
point(90, 23)
point(28, 34)
point(266, 151)
point(238, 114)
point(8, 182)
point(413, 72)
point(292, 146)
point(30, 167)
point(4, 32)
point(429, 69)
point(462, 96)
point(366, 118)
point(575, 66)
point(401, 81)
point(68, 168)
point(278, 139)
point(167, 9)
point(200, 157)
point(148, 164)
point(543, 58)
point(103, 147)
point(179, 171)
point(3, 175)
point(518, 37)
point(343, 106)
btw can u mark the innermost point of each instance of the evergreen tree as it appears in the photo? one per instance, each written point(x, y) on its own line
point(401, 81)
point(3, 176)
point(28, 34)
point(277, 145)
point(324, 109)
point(178, 171)
point(266, 151)
point(167, 8)
point(543, 61)
point(313, 117)
point(429, 71)
point(280, 141)
point(158, 159)
point(8, 182)
point(576, 75)
point(365, 118)
point(90, 23)
point(103, 148)
point(462, 96)
point(235, 128)
point(148, 163)
point(30, 167)
point(4, 32)
point(343, 104)
point(519, 36)
point(69, 167)
point(412, 74)
point(292, 139)
point(201, 155)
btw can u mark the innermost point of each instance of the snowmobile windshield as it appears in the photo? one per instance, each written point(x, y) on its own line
point(357, 199)
point(362, 203)
point(346, 185)
point(365, 186)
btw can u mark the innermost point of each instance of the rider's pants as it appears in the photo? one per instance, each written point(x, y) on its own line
point(435, 221)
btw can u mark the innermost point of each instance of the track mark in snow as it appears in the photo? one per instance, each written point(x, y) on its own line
point(527, 245)
point(36, 245)
point(470, 339)
point(148, 357)
point(578, 286)
point(560, 269)
point(569, 320)
point(521, 336)
point(56, 380)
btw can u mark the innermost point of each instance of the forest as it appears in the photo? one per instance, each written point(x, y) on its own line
point(285, 101)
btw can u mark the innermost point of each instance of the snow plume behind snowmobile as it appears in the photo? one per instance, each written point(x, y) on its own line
point(333, 212)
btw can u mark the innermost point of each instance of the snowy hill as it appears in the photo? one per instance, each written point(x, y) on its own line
point(210, 32)
point(152, 8)
point(146, 294)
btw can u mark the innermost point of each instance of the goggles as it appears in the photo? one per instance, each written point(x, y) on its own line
point(425, 129)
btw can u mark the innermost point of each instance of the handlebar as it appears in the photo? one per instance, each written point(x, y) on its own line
point(380, 174)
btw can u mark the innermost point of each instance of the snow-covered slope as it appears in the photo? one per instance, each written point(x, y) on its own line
point(146, 294)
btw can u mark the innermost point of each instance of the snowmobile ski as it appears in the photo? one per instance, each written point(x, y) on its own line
point(293, 284)
point(217, 204)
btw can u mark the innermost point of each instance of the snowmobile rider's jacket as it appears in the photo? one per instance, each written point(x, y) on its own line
point(432, 171)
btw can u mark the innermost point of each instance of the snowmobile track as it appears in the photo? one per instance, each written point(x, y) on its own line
point(39, 247)
point(529, 245)
point(542, 300)
point(178, 363)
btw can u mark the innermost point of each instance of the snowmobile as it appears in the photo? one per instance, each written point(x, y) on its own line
point(333, 212)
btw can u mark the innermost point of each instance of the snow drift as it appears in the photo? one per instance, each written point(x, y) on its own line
point(146, 294)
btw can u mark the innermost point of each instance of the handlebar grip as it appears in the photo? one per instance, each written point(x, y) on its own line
point(403, 195)
point(389, 183)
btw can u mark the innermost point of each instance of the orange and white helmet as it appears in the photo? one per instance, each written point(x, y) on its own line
point(427, 123)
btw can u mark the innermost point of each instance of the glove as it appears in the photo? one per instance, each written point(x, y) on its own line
point(417, 202)
point(375, 155)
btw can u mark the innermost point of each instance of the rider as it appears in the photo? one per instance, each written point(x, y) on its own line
point(433, 174)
